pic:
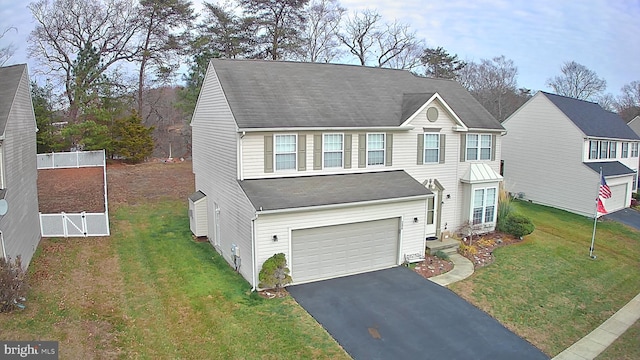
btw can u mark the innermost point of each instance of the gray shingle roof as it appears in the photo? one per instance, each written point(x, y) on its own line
point(592, 119)
point(306, 191)
point(9, 80)
point(196, 196)
point(274, 94)
point(610, 168)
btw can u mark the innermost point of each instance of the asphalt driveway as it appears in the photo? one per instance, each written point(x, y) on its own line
point(397, 314)
point(626, 216)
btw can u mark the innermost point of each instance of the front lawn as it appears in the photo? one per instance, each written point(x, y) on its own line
point(547, 289)
point(151, 292)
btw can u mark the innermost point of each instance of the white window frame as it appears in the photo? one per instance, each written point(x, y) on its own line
point(479, 147)
point(384, 149)
point(634, 149)
point(425, 148)
point(324, 151)
point(276, 153)
point(484, 206)
point(594, 146)
point(625, 150)
point(613, 149)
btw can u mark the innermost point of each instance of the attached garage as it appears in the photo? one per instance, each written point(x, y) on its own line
point(619, 198)
point(332, 251)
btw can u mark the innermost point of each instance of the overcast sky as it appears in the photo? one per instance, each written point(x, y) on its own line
point(539, 36)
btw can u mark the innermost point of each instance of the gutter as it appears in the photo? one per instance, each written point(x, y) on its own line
point(336, 128)
point(345, 205)
point(254, 256)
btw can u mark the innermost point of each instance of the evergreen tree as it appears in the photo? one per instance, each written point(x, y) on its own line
point(132, 140)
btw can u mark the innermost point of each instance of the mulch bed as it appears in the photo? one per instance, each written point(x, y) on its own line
point(480, 253)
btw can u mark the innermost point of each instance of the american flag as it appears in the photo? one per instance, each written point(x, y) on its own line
point(600, 206)
point(604, 192)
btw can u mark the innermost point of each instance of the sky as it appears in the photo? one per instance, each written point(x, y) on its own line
point(539, 36)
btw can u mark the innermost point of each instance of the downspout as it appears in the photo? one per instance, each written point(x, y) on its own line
point(4, 251)
point(254, 256)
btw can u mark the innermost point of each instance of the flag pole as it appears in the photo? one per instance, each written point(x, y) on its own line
point(595, 219)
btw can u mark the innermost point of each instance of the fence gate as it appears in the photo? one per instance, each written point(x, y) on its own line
point(75, 224)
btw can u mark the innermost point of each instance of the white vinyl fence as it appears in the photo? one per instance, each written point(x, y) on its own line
point(75, 224)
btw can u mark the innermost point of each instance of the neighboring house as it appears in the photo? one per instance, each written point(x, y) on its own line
point(20, 226)
point(342, 168)
point(555, 147)
point(634, 124)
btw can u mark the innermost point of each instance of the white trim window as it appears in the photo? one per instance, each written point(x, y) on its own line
point(613, 147)
point(479, 146)
point(484, 206)
point(594, 149)
point(333, 150)
point(625, 150)
point(431, 148)
point(376, 145)
point(634, 149)
point(285, 152)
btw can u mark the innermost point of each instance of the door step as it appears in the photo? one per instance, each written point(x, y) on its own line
point(448, 246)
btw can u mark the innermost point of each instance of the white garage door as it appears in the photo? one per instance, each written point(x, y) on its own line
point(331, 251)
point(618, 199)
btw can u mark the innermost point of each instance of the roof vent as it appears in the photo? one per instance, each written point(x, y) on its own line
point(432, 114)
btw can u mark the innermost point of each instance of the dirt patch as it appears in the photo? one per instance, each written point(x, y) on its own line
point(82, 189)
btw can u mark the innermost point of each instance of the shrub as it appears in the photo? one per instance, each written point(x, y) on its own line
point(274, 272)
point(504, 209)
point(13, 284)
point(467, 250)
point(518, 225)
point(441, 255)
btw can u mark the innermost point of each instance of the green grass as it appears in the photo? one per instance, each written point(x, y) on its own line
point(547, 289)
point(626, 347)
point(166, 297)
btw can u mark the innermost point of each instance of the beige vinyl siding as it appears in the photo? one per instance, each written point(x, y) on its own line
point(215, 166)
point(267, 225)
point(21, 225)
point(403, 156)
point(543, 153)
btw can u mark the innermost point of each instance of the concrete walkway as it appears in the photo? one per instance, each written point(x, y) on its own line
point(586, 348)
point(462, 269)
point(599, 339)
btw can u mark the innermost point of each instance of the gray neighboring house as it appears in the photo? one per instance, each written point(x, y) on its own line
point(344, 169)
point(634, 124)
point(20, 226)
point(555, 147)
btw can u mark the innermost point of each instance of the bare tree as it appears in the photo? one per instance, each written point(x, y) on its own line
point(320, 40)
point(398, 47)
point(577, 81)
point(493, 82)
point(628, 104)
point(6, 52)
point(359, 34)
point(65, 27)
point(163, 29)
point(281, 23)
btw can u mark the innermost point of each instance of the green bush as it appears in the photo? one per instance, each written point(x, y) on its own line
point(517, 225)
point(13, 284)
point(274, 272)
point(441, 255)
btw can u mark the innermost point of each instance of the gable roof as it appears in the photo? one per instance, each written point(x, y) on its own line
point(319, 190)
point(277, 94)
point(592, 119)
point(634, 124)
point(610, 168)
point(9, 80)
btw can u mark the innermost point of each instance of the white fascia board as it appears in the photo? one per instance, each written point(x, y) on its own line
point(346, 205)
point(338, 129)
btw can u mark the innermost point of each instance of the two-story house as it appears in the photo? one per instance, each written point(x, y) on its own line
point(555, 148)
point(344, 169)
point(19, 220)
